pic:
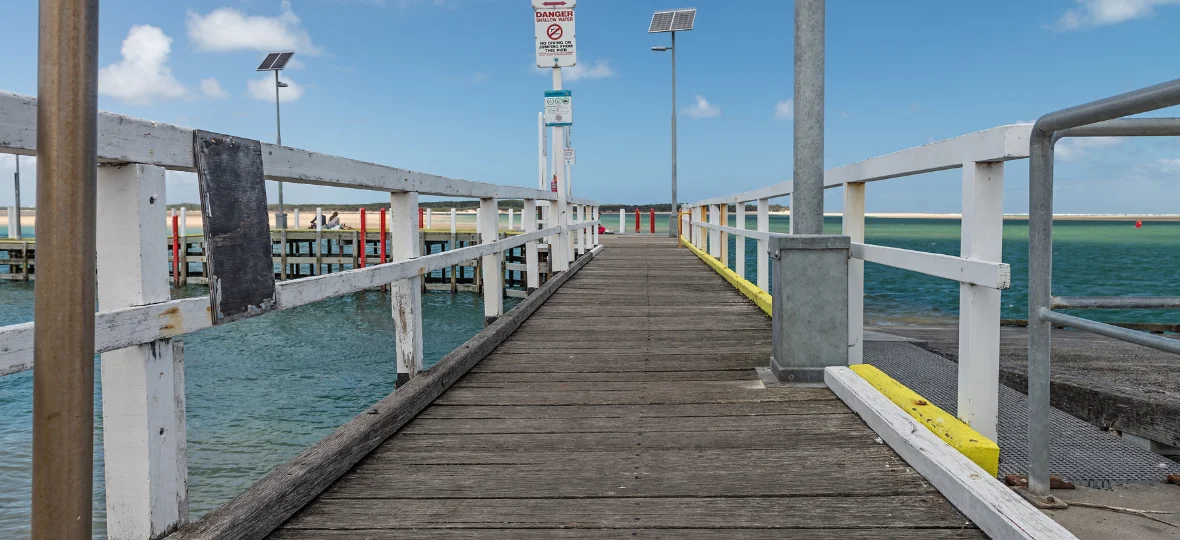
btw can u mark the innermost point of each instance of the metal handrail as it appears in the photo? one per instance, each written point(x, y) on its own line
point(1102, 118)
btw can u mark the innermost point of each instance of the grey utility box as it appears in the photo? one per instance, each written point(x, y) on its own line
point(810, 306)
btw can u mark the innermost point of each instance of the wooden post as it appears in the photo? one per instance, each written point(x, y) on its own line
point(493, 278)
point(421, 217)
point(298, 224)
point(13, 222)
point(622, 221)
point(854, 227)
point(528, 222)
point(636, 220)
point(361, 247)
point(595, 218)
point(651, 218)
point(763, 245)
point(715, 235)
point(454, 245)
point(739, 242)
point(577, 238)
point(407, 293)
point(319, 233)
point(143, 398)
point(724, 237)
point(429, 219)
point(510, 224)
point(979, 306)
point(24, 258)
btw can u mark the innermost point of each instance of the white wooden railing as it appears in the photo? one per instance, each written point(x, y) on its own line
point(978, 268)
point(143, 399)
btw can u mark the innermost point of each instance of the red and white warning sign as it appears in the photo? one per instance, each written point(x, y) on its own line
point(556, 44)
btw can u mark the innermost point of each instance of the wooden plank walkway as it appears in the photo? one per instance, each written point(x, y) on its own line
point(628, 406)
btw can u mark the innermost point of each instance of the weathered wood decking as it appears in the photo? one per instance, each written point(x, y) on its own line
point(628, 405)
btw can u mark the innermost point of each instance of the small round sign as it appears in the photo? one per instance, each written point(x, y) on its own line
point(554, 31)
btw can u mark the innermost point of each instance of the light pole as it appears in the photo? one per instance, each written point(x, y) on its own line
point(16, 196)
point(276, 62)
point(672, 21)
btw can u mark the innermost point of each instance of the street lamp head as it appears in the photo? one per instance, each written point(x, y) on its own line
point(282, 84)
point(661, 49)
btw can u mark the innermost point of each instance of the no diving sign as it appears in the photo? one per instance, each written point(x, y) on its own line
point(556, 45)
point(559, 108)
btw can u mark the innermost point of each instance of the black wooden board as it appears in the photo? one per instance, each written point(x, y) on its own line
point(237, 226)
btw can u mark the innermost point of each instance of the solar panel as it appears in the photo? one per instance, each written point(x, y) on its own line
point(286, 57)
point(683, 20)
point(268, 61)
point(661, 22)
point(675, 20)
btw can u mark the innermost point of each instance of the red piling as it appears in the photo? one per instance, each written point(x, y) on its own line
point(421, 218)
point(363, 245)
point(636, 220)
point(652, 220)
point(176, 250)
point(382, 242)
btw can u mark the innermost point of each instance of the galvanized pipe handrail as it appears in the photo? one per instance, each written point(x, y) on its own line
point(1115, 302)
point(1145, 339)
point(1101, 118)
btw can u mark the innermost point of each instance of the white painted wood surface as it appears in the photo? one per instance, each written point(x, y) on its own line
point(739, 241)
point(993, 507)
point(854, 227)
point(735, 230)
point(528, 221)
point(1001, 143)
point(406, 297)
point(429, 218)
point(13, 222)
point(123, 139)
point(984, 273)
point(510, 219)
point(979, 306)
point(493, 277)
point(596, 218)
point(764, 245)
point(298, 224)
point(144, 437)
point(715, 232)
point(454, 223)
point(622, 221)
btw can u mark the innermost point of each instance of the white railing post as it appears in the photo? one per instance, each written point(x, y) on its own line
point(715, 235)
point(581, 209)
point(511, 226)
point(739, 242)
point(596, 218)
point(550, 222)
point(143, 386)
point(763, 245)
point(493, 277)
point(854, 227)
point(528, 222)
point(406, 295)
point(13, 222)
point(429, 219)
point(298, 224)
point(979, 306)
point(722, 237)
point(570, 216)
point(454, 226)
point(622, 220)
point(319, 237)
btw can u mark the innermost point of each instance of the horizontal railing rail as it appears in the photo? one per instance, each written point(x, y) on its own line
point(142, 368)
point(979, 269)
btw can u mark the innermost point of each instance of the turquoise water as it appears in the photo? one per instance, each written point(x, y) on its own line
point(261, 390)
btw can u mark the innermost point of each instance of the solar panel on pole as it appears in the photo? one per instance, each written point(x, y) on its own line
point(675, 20)
point(661, 22)
point(683, 20)
point(268, 61)
point(281, 61)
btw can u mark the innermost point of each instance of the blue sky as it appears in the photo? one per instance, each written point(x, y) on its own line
point(449, 87)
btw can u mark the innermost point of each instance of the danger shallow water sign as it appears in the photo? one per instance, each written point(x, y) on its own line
point(556, 44)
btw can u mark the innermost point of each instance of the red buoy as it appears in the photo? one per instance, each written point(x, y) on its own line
point(1139, 224)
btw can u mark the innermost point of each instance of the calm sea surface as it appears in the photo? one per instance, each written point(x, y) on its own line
point(261, 390)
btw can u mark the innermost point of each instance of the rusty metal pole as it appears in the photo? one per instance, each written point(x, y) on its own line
point(63, 365)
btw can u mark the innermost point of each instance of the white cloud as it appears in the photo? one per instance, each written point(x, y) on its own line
point(1101, 12)
point(1074, 149)
point(784, 110)
point(1169, 166)
point(212, 88)
point(264, 89)
point(598, 69)
point(702, 109)
point(143, 75)
point(227, 29)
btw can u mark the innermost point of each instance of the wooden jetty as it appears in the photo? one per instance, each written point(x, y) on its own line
point(648, 420)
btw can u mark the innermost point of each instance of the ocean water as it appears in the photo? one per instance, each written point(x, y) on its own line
point(261, 390)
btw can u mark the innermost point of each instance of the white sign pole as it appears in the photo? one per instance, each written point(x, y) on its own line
point(558, 259)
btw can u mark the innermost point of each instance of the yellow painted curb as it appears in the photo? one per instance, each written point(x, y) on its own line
point(760, 297)
point(959, 435)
